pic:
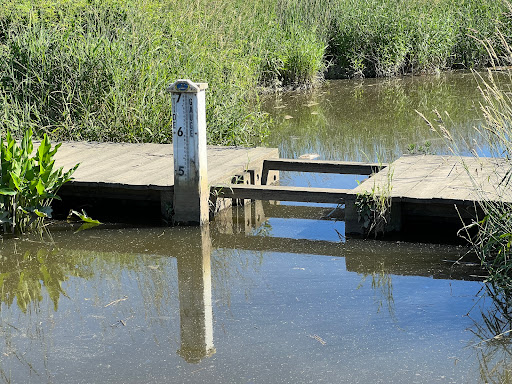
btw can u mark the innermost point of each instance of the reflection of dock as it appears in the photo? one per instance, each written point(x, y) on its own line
point(203, 253)
point(234, 229)
point(242, 228)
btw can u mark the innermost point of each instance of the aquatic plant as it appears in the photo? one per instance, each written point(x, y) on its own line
point(28, 182)
point(420, 149)
point(374, 207)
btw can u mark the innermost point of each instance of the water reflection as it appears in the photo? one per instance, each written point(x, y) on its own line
point(382, 285)
point(24, 274)
point(492, 329)
point(139, 303)
point(373, 119)
point(195, 295)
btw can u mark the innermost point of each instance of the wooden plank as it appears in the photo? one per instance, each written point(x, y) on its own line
point(281, 193)
point(136, 165)
point(222, 166)
point(420, 168)
point(394, 171)
point(430, 176)
point(323, 166)
point(436, 182)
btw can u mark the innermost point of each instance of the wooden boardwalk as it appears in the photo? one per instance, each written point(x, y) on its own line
point(146, 171)
point(436, 189)
point(149, 166)
point(418, 186)
point(446, 179)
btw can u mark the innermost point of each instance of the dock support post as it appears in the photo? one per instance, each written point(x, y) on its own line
point(191, 191)
point(352, 225)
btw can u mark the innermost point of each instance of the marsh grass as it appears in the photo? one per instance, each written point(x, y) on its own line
point(374, 207)
point(97, 70)
point(386, 38)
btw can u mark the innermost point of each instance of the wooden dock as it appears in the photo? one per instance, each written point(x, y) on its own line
point(436, 191)
point(446, 179)
point(434, 188)
point(124, 171)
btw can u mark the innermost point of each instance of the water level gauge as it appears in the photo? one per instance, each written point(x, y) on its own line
point(189, 146)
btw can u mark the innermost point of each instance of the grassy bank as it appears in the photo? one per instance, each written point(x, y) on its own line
point(97, 69)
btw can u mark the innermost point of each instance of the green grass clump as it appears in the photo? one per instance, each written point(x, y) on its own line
point(97, 70)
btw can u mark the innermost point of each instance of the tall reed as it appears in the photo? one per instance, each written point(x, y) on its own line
point(97, 69)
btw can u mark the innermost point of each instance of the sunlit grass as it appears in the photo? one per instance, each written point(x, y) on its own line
point(97, 70)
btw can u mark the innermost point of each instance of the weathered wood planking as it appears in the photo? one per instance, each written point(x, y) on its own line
point(319, 166)
point(421, 185)
point(447, 179)
point(117, 167)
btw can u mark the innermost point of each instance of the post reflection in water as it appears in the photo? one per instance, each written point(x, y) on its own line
point(195, 296)
point(137, 305)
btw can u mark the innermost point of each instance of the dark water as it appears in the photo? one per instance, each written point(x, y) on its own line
point(235, 303)
point(266, 293)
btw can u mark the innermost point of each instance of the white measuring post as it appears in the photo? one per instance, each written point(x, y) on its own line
point(191, 191)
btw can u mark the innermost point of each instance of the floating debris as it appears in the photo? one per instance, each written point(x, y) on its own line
point(288, 117)
point(116, 301)
point(121, 322)
point(309, 156)
point(319, 339)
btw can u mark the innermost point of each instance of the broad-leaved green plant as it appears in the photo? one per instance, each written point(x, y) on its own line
point(29, 182)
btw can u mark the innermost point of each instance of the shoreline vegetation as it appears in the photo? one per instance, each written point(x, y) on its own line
point(490, 235)
point(97, 69)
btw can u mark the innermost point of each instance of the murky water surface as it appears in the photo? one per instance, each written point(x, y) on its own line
point(375, 119)
point(266, 293)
